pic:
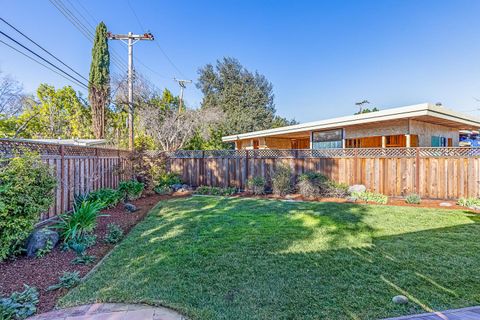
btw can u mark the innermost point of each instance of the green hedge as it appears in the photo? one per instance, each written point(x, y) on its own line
point(26, 190)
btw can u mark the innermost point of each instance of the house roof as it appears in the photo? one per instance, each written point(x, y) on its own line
point(425, 112)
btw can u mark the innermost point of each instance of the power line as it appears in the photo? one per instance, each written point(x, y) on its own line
point(156, 43)
point(36, 54)
point(48, 52)
point(40, 63)
point(84, 30)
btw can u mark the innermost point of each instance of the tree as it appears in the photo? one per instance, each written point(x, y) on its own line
point(53, 114)
point(11, 96)
point(246, 98)
point(99, 83)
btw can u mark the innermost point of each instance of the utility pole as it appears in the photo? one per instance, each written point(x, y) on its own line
point(183, 85)
point(130, 39)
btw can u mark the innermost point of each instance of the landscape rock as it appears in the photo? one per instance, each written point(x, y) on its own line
point(184, 188)
point(445, 204)
point(176, 186)
point(400, 299)
point(39, 240)
point(351, 199)
point(357, 188)
point(130, 207)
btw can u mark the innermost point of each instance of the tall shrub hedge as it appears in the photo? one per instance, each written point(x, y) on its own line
point(26, 190)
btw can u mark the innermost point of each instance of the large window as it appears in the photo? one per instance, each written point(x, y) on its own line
point(327, 139)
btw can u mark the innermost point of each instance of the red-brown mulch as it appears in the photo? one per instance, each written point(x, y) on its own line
point(425, 203)
point(44, 272)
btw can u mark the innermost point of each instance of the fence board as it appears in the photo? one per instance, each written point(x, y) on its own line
point(438, 173)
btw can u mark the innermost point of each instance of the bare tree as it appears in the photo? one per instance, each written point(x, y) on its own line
point(11, 96)
point(172, 130)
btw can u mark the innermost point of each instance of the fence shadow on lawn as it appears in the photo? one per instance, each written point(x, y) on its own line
point(214, 259)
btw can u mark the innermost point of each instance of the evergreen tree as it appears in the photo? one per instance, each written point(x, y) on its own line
point(99, 85)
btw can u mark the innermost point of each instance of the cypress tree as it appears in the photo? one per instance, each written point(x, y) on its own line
point(99, 84)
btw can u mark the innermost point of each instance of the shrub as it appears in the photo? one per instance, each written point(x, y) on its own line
point(371, 197)
point(41, 252)
point(162, 190)
point(413, 199)
point(114, 233)
point(107, 196)
point(215, 191)
point(80, 223)
point(281, 180)
point(256, 185)
point(19, 305)
point(26, 190)
point(131, 189)
point(68, 280)
point(469, 202)
point(83, 259)
point(314, 184)
point(168, 179)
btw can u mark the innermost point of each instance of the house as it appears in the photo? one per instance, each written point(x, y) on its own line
point(421, 125)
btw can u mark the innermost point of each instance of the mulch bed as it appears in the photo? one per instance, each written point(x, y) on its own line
point(426, 203)
point(44, 272)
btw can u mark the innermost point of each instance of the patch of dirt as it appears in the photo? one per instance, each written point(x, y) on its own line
point(44, 272)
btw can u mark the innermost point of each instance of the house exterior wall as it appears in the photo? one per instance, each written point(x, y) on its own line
point(423, 130)
point(375, 129)
point(426, 130)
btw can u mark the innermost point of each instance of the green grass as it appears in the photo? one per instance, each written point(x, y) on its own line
point(225, 258)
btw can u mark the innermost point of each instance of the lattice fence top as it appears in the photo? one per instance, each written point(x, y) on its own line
point(428, 152)
point(10, 147)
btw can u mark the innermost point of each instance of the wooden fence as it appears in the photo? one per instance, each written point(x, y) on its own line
point(436, 173)
point(78, 169)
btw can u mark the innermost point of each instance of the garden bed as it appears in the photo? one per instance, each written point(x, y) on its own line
point(426, 203)
point(44, 272)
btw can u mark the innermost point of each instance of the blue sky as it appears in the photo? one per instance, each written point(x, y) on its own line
point(321, 56)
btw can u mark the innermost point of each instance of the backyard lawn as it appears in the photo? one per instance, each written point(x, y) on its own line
point(233, 258)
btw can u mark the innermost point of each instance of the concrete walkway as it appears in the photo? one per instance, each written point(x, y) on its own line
point(470, 313)
point(111, 311)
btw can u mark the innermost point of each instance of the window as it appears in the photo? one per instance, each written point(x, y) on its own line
point(440, 141)
point(327, 139)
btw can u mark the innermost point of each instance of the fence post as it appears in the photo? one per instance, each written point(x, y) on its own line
point(355, 165)
point(62, 178)
point(202, 169)
point(246, 168)
point(417, 170)
point(119, 166)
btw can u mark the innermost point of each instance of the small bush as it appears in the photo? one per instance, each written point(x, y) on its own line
point(68, 280)
point(84, 259)
point(41, 252)
point(107, 196)
point(309, 184)
point(114, 233)
point(26, 190)
point(19, 305)
point(281, 180)
point(131, 189)
point(469, 202)
point(371, 197)
point(256, 185)
point(215, 191)
point(80, 223)
point(168, 179)
point(163, 190)
point(413, 199)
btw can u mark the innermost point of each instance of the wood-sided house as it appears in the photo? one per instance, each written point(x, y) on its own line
point(421, 125)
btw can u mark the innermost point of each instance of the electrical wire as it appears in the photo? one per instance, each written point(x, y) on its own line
point(40, 63)
point(48, 52)
point(36, 54)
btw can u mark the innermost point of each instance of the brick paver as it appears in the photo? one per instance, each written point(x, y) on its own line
point(470, 313)
point(111, 311)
